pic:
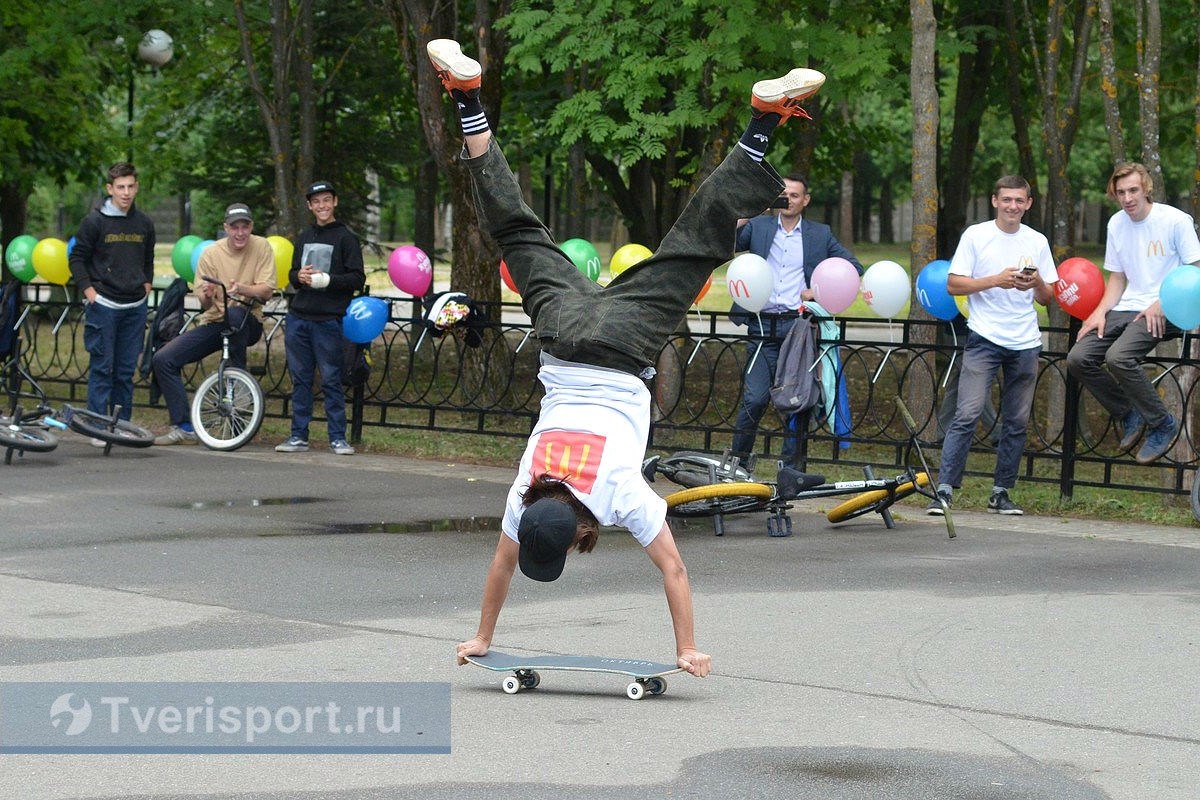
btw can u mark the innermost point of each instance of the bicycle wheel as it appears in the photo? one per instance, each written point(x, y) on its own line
point(687, 461)
point(874, 500)
point(22, 438)
point(226, 414)
point(719, 498)
point(97, 426)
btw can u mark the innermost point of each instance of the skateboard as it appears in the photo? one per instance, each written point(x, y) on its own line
point(647, 675)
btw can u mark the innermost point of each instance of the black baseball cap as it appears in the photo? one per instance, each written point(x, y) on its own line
point(546, 533)
point(238, 212)
point(318, 187)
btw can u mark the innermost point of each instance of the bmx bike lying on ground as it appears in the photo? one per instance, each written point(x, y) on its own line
point(720, 485)
point(228, 407)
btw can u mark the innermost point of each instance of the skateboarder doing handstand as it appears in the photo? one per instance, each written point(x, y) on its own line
point(582, 466)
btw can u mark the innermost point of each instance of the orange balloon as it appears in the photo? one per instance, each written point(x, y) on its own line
point(704, 291)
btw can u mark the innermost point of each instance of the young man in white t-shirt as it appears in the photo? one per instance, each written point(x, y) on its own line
point(1146, 240)
point(1001, 266)
point(582, 466)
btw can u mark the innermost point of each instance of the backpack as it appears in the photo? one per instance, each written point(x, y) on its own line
point(797, 384)
point(356, 363)
point(166, 323)
point(10, 305)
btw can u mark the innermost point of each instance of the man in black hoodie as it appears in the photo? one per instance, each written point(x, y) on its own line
point(327, 270)
point(112, 263)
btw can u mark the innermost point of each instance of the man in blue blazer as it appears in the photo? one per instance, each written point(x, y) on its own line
point(793, 247)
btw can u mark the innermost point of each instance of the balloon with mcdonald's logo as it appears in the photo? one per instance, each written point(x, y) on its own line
point(749, 281)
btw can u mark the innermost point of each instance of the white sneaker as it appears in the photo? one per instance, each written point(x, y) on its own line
point(176, 435)
point(341, 447)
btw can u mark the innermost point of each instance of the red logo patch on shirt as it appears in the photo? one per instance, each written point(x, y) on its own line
point(570, 456)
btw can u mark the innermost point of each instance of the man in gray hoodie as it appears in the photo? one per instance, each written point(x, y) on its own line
point(112, 263)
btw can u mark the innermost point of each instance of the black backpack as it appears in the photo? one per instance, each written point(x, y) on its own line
point(797, 384)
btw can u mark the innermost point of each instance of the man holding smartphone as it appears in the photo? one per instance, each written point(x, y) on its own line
point(793, 247)
point(1001, 266)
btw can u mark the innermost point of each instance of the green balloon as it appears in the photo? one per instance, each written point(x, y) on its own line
point(181, 257)
point(584, 256)
point(19, 258)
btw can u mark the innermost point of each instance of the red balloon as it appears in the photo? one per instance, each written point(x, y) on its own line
point(1079, 288)
point(507, 278)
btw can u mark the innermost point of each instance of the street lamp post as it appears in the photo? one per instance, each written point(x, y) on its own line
point(156, 49)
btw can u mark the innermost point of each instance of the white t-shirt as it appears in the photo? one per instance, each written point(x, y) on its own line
point(1146, 251)
point(1005, 317)
point(592, 434)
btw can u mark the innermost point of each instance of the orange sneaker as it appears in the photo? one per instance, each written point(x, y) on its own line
point(782, 96)
point(455, 70)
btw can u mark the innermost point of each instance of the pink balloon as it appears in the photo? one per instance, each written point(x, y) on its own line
point(835, 284)
point(410, 270)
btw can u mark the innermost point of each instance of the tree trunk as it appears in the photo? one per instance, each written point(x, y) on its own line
point(1109, 83)
point(1149, 61)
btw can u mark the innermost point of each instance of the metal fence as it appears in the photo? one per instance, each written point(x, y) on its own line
point(437, 383)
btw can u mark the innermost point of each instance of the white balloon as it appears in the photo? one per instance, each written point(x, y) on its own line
point(886, 288)
point(749, 281)
point(156, 48)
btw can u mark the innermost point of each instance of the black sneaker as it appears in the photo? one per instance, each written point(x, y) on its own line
point(936, 507)
point(1000, 503)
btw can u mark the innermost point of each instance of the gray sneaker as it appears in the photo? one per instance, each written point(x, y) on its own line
point(293, 445)
point(936, 509)
point(176, 435)
point(1158, 441)
point(341, 447)
point(1000, 503)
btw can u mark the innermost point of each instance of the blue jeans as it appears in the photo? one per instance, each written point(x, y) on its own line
point(316, 346)
point(981, 361)
point(193, 345)
point(756, 389)
point(113, 338)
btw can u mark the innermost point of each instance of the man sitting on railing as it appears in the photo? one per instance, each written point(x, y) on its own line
point(243, 262)
point(582, 466)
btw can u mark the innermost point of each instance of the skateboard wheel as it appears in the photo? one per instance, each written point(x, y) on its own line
point(530, 680)
point(656, 686)
point(511, 685)
point(635, 691)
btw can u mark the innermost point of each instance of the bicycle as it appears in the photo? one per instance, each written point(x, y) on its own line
point(27, 429)
point(228, 406)
point(716, 486)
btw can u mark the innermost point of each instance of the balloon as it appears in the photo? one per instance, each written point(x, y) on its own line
point(507, 278)
point(181, 257)
point(198, 251)
point(1180, 297)
point(410, 270)
point(283, 259)
point(960, 302)
point(886, 288)
point(835, 284)
point(19, 258)
point(750, 281)
point(626, 256)
point(931, 290)
point(1079, 288)
point(704, 290)
point(365, 319)
point(70, 247)
point(584, 256)
point(50, 260)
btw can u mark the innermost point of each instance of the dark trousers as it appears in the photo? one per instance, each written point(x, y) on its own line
point(193, 345)
point(623, 325)
point(113, 338)
point(313, 346)
point(1111, 367)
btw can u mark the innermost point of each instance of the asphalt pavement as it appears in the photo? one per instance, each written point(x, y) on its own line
point(1030, 657)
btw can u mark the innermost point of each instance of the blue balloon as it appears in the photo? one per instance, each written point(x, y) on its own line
point(365, 319)
point(1180, 296)
point(197, 250)
point(70, 246)
point(931, 290)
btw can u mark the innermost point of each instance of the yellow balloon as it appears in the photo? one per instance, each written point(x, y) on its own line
point(625, 257)
point(960, 300)
point(50, 261)
point(283, 259)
